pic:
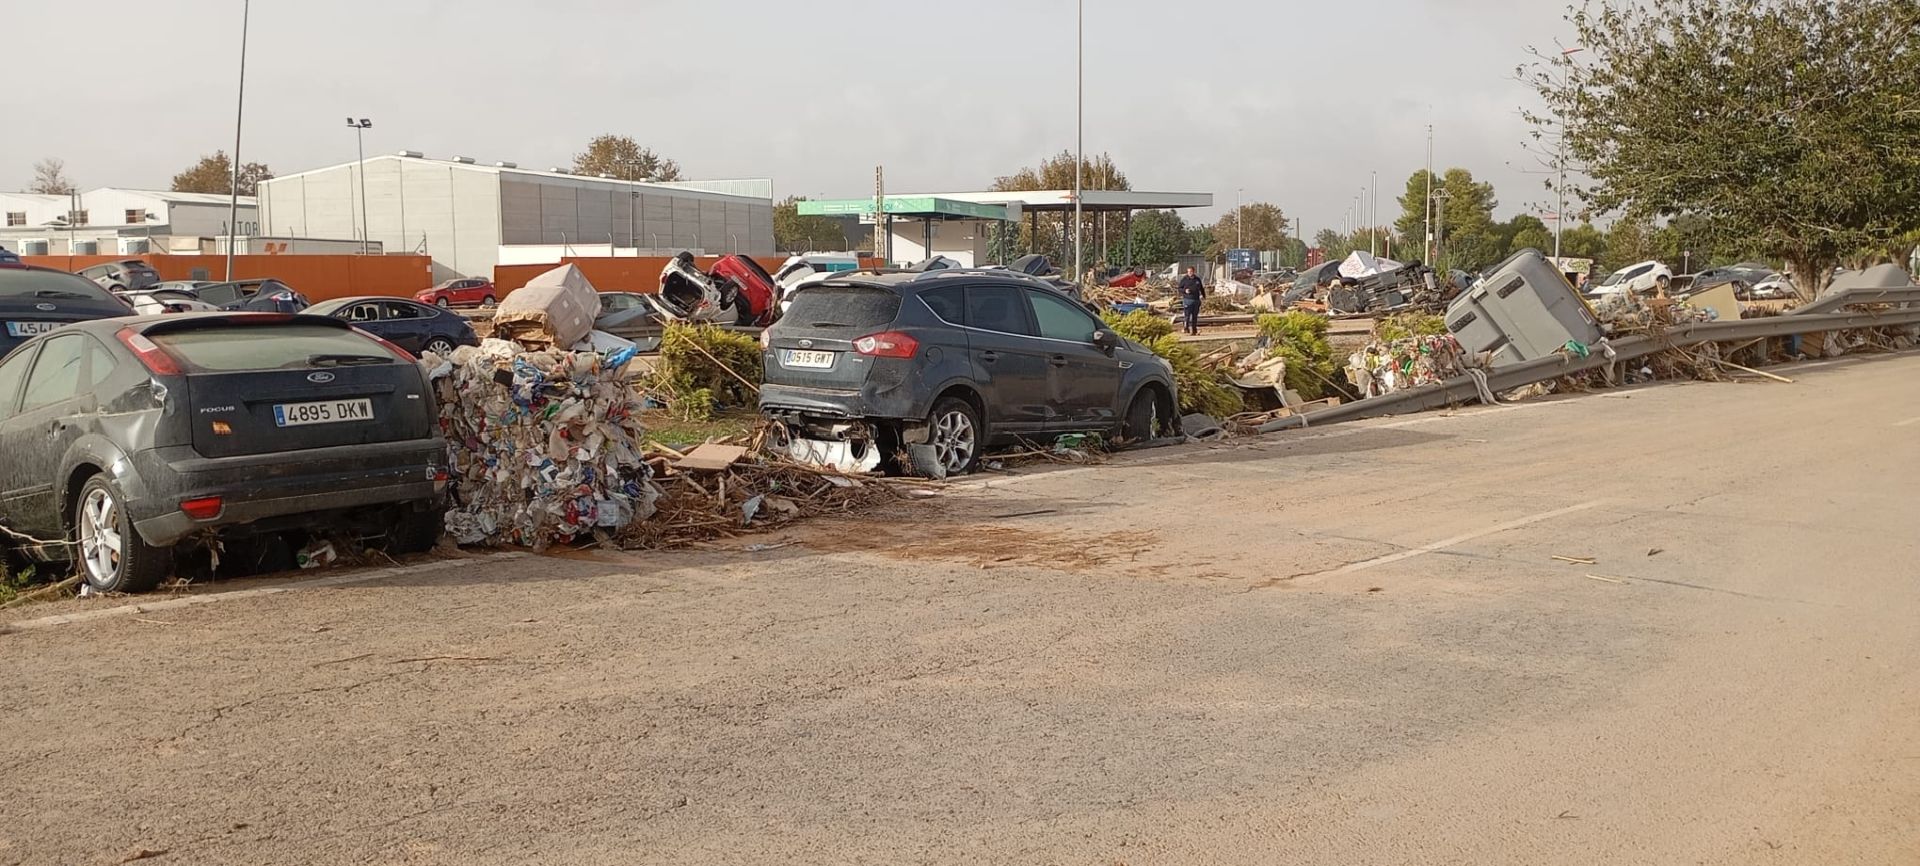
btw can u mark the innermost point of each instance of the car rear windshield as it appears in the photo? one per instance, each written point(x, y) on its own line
point(16, 283)
point(843, 307)
point(235, 348)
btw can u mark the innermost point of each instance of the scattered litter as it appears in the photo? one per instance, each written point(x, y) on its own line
point(1576, 560)
point(1607, 579)
point(1026, 514)
point(750, 508)
point(317, 554)
point(1656, 551)
point(763, 548)
point(1202, 428)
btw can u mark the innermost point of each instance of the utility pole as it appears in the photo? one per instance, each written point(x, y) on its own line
point(239, 112)
point(1079, 129)
point(880, 215)
point(1430, 238)
point(1373, 224)
point(1239, 220)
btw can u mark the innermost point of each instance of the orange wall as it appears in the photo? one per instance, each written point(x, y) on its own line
point(641, 274)
point(317, 277)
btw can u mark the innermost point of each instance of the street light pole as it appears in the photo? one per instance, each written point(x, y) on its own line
point(1373, 228)
point(1560, 159)
point(1079, 128)
point(239, 112)
point(360, 128)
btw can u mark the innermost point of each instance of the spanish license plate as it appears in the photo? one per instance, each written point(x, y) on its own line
point(322, 412)
point(804, 358)
point(30, 329)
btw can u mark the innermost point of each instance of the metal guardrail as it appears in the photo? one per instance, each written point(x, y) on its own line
point(1853, 297)
point(1465, 389)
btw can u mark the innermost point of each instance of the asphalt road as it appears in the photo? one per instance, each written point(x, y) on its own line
point(1349, 645)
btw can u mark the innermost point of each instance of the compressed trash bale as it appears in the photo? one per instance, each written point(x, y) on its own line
point(556, 308)
point(545, 446)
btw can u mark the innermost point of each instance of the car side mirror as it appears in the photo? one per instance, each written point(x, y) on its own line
point(1103, 340)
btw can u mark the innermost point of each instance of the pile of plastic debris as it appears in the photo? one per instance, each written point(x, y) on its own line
point(545, 446)
point(1384, 367)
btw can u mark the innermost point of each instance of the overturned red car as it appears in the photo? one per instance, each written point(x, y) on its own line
point(735, 282)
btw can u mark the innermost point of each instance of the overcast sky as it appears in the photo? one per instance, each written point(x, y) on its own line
point(1294, 101)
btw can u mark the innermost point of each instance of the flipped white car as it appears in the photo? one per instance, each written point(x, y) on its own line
point(159, 301)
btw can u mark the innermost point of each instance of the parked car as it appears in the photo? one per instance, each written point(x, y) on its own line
point(957, 359)
point(253, 296)
point(1774, 288)
point(623, 310)
point(130, 275)
point(183, 285)
point(1743, 275)
point(158, 301)
point(36, 300)
point(9, 257)
point(736, 282)
point(461, 293)
point(1639, 279)
point(127, 437)
point(412, 326)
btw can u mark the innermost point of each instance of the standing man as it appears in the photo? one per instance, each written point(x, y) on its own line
point(1191, 293)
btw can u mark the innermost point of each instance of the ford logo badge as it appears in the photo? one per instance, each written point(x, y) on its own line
point(45, 307)
point(806, 344)
point(320, 378)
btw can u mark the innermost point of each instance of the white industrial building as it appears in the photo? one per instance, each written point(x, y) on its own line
point(470, 217)
point(113, 221)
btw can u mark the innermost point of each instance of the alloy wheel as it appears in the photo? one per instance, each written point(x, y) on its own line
point(101, 547)
point(954, 441)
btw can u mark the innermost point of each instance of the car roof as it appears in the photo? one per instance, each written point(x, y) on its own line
point(898, 280)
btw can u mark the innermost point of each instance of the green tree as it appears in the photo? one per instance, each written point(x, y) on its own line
point(50, 177)
point(1333, 245)
point(1265, 229)
point(621, 157)
point(795, 233)
point(1629, 241)
point(1471, 250)
point(1510, 230)
point(1790, 124)
point(1462, 206)
point(1583, 242)
point(214, 174)
point(1531, 237)
point(1055, 237)
point(1160, 237)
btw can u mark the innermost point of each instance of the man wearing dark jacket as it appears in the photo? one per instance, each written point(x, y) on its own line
point(1191, 293)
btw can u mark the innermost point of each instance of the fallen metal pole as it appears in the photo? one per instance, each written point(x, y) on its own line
point(1462, 389)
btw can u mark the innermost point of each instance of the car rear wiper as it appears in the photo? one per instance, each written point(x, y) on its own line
point(56, 293)
point(346, 360)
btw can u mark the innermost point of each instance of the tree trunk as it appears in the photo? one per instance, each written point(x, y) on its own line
point(1811, 274)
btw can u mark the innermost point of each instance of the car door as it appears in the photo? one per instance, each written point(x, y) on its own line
point(406, 325)
point(17, 477)
point(1082, 380)
point(1011, 361)
point(53, 399)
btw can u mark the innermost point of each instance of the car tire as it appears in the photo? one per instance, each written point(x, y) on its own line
point(957, 435)
point(417, 531)
point(111, 555)
point(488, 303)
point(442, 302)
point(1144, 416)
point(440, 346)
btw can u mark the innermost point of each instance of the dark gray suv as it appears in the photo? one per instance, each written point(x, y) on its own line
point(868, 364)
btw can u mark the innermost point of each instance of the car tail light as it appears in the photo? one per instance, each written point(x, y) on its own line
point(887, 344)
point(204, 508)
point(154, 358)
point(384, 342)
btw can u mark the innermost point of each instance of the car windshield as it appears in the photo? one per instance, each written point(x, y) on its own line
point(49, 284)
point(233, 348)
point(843, 307)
